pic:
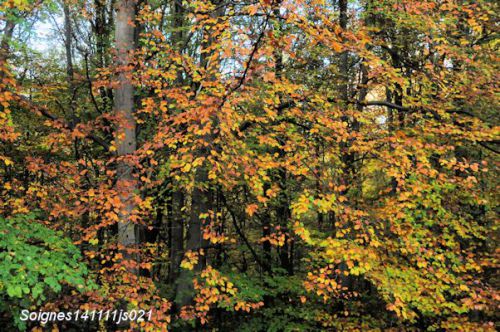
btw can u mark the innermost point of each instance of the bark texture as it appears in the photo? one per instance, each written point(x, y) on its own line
point(124, 109)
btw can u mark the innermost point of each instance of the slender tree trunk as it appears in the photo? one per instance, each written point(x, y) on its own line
point(344, 57)
point(8, 31)
point(346, 157)
point(176, 235)
point(102, 30)
point(176, 220)
point(67, 45)
point(266, 232)
point(283, 209)
point(70, 72)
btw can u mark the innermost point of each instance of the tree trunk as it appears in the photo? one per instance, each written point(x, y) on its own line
point(102, 30)
point(201, 197)
point(177, 197)
point(283, 210)
point(70, 72)
point(67, 45)
point(346, 156)
point(8, 31)
point(176, 234)
point(124, 109)
point(194, 242)
point(267, 260)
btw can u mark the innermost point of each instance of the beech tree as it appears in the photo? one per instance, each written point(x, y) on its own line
point(266, 165)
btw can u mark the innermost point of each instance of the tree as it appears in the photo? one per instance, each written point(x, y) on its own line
point(126, 143)
point(262, 165)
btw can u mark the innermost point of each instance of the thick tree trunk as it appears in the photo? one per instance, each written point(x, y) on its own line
point(200, 201)
point(124, 109)
point(201, 198)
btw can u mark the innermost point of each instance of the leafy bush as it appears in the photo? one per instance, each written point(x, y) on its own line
point(34, 262)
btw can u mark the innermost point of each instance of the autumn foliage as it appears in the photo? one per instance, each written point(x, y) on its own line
point(266, 165)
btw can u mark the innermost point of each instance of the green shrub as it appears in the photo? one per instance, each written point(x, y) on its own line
point(35, 261)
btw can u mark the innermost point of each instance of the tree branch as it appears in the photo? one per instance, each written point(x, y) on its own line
point(27, 104)
point(488, 147)
point(240, 233)
point(386, 104)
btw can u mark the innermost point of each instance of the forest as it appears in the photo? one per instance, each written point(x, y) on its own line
point(249, 165)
